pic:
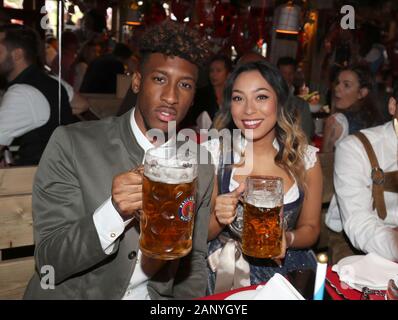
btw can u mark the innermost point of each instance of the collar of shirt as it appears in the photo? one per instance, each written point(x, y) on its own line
point(142, 140)
point(388, 132)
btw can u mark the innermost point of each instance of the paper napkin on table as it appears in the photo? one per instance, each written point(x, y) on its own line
point(369, 270)
point(277, 288)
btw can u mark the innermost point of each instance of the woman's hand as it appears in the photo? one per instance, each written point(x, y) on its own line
point(279, 258)
point(225, 207)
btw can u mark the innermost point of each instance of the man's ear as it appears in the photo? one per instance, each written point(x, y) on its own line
point(392, 106)
point(363, 92)
point(17, 54)
point(136, 82)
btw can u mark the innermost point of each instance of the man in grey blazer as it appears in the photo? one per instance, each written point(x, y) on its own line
point(85, 194)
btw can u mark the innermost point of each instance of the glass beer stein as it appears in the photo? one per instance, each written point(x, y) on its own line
point(169, 189)
point(262, 217)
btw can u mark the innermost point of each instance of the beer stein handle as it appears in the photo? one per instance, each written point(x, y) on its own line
point(137, 214)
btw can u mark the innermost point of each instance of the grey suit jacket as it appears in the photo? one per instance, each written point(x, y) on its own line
point(73, 179)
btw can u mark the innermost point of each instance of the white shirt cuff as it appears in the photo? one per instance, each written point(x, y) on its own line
point(109, 225)
point(4, 140)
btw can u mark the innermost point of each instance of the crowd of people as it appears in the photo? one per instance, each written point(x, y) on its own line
point(88, 189)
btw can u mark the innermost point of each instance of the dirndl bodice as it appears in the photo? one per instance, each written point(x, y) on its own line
point(229, 268)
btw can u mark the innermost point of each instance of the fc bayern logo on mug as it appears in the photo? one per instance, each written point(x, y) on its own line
point(187, 209)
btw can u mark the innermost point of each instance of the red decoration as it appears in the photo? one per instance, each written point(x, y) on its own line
point(204, 15)
point(224, 18)
point(252, 27)
point(181, 9)
point(156, 14)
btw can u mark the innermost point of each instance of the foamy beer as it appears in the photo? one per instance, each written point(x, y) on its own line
point(262, 217)
point(169, 188)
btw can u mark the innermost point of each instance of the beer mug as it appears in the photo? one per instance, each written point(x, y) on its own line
point(169, 190)
point(262, 217)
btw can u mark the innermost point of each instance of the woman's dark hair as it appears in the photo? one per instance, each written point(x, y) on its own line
point(69, 40)
point(223, 58)
point(286, 61)
point(95, 21)
point(288, 132)
point(122, 51)
point(366, 109)
point(372, 35)
point(394, 93)
point(82, 54)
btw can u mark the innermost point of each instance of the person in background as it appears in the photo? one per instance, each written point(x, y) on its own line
point(251, 56)
point(87, 54)
point(69, 48)
point(353, 211)
point(385, 82)
point(101, 74)
point(51, 50)
point(93, 23)
point(372, 48)
point(86, 193)
point(79, 104)
point(209, 99)
point(256, 101)
point(29, 109)
point(288, 68)
point(354, 106)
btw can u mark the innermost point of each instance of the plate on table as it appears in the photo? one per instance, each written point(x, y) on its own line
point(345, 291)
point(242, 295)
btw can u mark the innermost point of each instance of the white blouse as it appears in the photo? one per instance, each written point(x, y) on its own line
point(213, 146)
point(343, 122)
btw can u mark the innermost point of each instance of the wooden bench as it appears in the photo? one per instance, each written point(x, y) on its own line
point(15, 229)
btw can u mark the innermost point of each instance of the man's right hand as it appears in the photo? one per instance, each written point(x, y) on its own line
point(127, 193)
point(225, 208)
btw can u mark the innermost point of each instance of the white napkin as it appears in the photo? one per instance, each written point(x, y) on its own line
point(277, 288)
point(369, 270)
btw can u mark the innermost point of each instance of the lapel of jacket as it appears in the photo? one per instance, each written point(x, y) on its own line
point(136, 153)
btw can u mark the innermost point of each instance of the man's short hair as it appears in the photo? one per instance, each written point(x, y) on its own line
point(122, 51)
point(175, 39)
point(287, 61)
point(18, 36)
